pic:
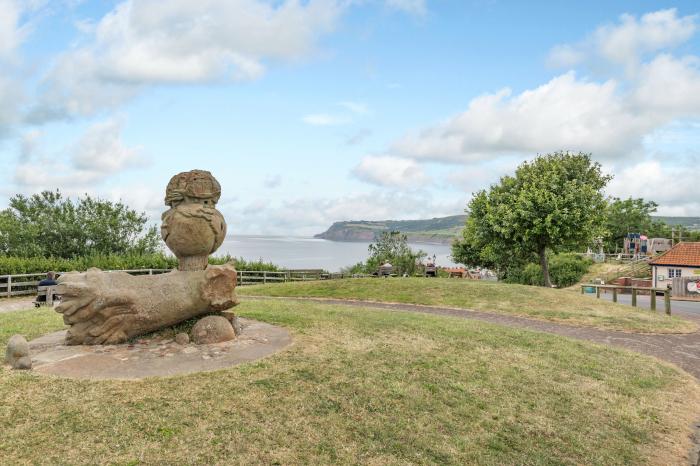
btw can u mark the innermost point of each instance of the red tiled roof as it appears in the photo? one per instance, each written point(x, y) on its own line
point(682, 254)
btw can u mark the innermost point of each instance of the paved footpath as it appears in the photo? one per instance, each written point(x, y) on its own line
point(16, 304)
point(680, 349)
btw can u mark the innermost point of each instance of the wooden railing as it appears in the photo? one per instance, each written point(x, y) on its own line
point(26, 284)
point(634, 290)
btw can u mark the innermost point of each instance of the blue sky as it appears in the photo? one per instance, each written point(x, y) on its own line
point(310, 112)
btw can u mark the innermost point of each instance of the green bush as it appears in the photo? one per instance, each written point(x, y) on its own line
point(564, 269)
point(20, 265)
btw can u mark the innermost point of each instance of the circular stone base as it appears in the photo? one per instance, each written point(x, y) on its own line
point(153, 357)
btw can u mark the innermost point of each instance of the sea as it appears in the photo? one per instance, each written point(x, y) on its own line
point(294, 252)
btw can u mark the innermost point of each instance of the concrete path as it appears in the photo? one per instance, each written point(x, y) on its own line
point(16, 304)
point(682, 350)
point(154, 357)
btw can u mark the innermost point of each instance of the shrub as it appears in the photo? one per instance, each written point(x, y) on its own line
point(565, 270)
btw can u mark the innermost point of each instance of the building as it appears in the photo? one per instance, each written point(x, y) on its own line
point(682, 260)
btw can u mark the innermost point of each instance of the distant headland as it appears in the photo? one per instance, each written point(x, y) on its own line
point(440, 230)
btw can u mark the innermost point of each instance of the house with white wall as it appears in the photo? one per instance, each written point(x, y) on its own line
point(682, 260)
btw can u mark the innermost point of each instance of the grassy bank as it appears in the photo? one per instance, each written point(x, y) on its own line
point(536, 302)
point(362, 387)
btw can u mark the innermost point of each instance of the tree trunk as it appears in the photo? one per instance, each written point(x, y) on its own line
point(545, 267)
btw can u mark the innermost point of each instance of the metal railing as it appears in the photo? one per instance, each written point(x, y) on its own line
point(634, 291)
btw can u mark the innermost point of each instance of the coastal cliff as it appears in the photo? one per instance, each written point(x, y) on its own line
point(441, 230)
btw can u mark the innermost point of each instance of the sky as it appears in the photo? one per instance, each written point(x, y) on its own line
point(315, 111)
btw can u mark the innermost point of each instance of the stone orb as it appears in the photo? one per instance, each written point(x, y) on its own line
point(212, 329)
point(17, 353)
point(182, 338)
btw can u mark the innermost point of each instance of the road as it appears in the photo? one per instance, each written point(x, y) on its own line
point(643, 301)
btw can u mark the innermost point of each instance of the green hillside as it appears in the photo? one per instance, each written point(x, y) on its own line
point(691, 223)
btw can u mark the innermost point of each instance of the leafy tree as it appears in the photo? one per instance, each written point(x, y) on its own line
point(48, 225)
point(628, 216)
point(553, 203)
point(392, 247)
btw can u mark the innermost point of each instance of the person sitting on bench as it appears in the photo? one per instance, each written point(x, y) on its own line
point(50, 280)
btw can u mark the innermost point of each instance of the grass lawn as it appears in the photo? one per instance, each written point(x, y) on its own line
point(565, 306)
point(363, 387)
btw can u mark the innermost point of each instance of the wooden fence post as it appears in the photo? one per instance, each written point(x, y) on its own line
point(667, 302)
point(597, 292)
point(9, 286)
point(614, 295)
point(653, 300)
point(264, 277)
point(634, 297)
point(583, 287)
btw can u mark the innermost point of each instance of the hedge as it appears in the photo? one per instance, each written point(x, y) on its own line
point(19, 265)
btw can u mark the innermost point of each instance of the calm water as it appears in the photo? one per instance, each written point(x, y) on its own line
point(309, 253)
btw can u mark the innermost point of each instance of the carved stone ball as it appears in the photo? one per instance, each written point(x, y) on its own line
point(193, 230)
point(212, 329)
point(17, 353)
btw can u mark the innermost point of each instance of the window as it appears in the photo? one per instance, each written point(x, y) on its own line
point(674, 273)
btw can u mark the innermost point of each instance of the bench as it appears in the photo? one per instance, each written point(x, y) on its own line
point(46, 292)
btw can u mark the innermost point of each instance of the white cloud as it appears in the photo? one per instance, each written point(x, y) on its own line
point(669, 87)
point(324, 119)
point(414, 7)
point(12, 30)
point(311, 215)
point(141, 198)
point(98, 154)
point(141, 42)
point(102, 150)
point(391, 172)
point(11, 99)
point(273, 181)
point(627, 41)
point(29, 144)
point(355, 107)
point(565, 113)
point(609, 119)
point(674, 188)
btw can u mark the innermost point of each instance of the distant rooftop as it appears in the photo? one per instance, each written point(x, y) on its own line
point(682, 254)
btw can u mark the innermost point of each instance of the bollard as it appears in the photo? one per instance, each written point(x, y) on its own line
point(614, 295)
point(653, 300)
point(634, 297)
point(667, 302)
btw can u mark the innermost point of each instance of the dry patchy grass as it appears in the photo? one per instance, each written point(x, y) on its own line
point(365, 388)
point(529, 301)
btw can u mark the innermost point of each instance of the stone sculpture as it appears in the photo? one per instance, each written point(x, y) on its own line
point(212, 329)
point(17, 353)
point(193, 228)
point(111, 307)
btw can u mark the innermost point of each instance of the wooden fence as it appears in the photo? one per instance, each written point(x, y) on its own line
point(634, 290)
point(26, 284)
